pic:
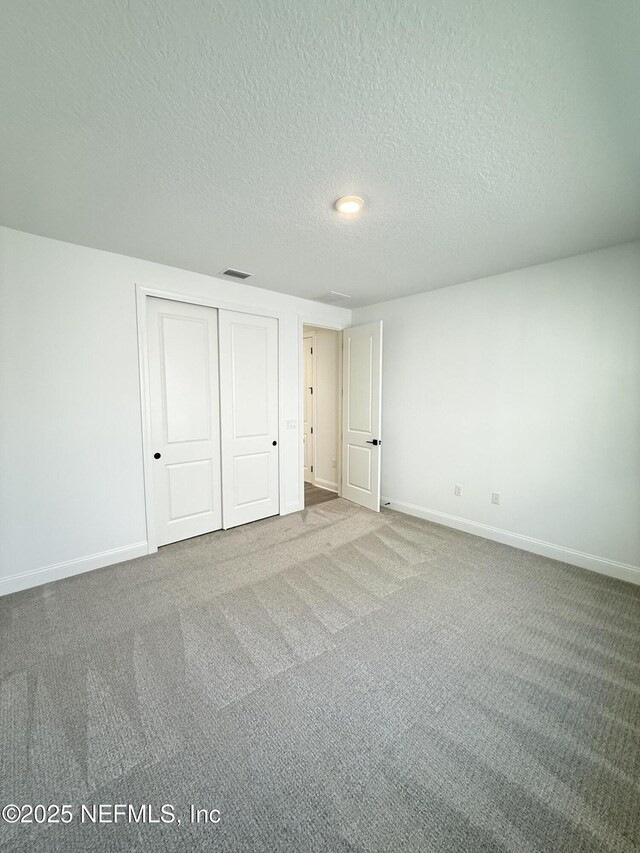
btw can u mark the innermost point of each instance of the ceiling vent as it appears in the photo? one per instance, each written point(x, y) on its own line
point(332, 297)
point(236, 273)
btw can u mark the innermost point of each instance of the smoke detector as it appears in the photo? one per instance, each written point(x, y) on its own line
point(332, 297)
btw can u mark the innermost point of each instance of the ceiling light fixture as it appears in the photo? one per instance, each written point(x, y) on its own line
point(349, 204)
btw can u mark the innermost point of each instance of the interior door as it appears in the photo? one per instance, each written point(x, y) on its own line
point(249, 417)
point(308, 436)
point(362, 414)
point(185, 419)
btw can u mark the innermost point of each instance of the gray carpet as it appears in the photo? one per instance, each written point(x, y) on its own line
point(335, 680)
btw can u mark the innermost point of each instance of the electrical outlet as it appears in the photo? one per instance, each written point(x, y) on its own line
point(458, 489)
point(495, 498)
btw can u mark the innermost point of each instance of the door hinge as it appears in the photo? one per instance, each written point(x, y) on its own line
point(311, 389)
point(312, 469)
point(311, 430)
point(311, 350)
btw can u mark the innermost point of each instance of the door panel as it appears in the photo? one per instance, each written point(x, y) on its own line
point(359, 467)
point(249, 416)
point(252, 478)
point(183, 344)
point(362, 414)
point(183, 376)
point(360, 366)
point(190, 488)
point(250, 385)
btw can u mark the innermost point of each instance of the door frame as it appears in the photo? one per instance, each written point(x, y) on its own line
point(143, 292)
point(311, 335)
point(310, 320)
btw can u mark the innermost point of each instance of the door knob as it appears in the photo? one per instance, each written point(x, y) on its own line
point(375, 441)
point(274, 443)
point(157, 455)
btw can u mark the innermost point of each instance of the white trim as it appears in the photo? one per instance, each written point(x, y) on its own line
point(36, 577)
point(142, 292)
point(604, 566)
point(308, 320)
point(282, 479)
point(210, 302)
point(291, 506)
point(326, 485)
point(145, 416)
point(303, 387)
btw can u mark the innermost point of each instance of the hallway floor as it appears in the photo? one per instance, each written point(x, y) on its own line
point(315, 495)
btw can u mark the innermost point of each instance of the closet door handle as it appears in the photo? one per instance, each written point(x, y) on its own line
point(157, 455)
point(375, 441)
point(274, 443)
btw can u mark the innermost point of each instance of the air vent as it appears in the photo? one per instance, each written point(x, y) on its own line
point(237, 273)
point(332, 297)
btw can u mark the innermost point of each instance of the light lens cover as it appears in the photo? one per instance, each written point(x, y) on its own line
point(349, 204)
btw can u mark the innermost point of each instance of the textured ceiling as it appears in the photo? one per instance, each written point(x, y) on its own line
point(485, 135)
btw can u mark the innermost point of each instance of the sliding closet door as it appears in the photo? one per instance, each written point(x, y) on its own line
point(249, 416)
point(185, 418)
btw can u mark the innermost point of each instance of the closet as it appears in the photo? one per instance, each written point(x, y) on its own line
point(213, 394)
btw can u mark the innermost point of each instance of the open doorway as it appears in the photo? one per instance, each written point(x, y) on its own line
point(322, 378)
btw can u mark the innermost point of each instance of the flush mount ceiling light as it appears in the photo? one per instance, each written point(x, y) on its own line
point(349, 204)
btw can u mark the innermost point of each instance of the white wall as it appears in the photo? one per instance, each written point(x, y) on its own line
point(71, 477)
point(326, 392)
point(527, 384)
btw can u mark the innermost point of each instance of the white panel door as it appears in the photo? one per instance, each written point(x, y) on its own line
point(185, 418)
point(362, 414)
point(249, 417)
point(308, 391)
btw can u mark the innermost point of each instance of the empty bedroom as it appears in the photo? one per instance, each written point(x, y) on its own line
point(320, 426)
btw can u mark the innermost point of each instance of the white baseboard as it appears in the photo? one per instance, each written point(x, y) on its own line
point(622, 571)
point(326, 484)
point(36, 577)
